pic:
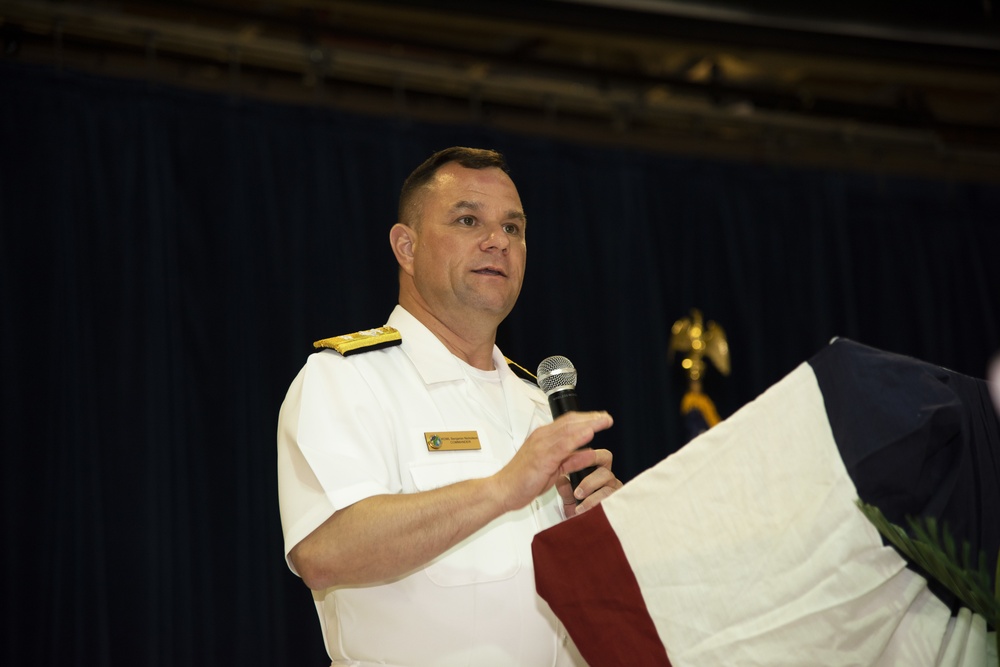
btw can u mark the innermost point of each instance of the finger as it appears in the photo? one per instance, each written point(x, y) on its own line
point(577, 429)
point(565, 491)
point(591, 501)
point(586, 457)
point(603, 458)
point(598, 417)
point(597, 420)
point(600, 478)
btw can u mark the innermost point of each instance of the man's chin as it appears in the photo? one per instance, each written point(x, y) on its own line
point(497, 308)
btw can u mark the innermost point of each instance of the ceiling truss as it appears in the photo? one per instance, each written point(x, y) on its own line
point(662, 83)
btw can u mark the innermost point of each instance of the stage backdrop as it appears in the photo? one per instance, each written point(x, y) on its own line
point(167, 257)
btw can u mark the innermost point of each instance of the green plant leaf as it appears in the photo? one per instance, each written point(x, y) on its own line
point(934, 549)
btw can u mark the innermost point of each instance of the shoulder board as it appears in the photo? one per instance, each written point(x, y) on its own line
point(361, 341)
point(520, 371)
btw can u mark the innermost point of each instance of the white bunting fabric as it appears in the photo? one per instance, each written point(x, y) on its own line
point(747, 547)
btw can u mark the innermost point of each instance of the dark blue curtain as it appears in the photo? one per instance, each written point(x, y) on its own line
point(167, 257)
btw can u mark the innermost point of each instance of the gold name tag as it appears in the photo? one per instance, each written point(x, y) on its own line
point(450, 441)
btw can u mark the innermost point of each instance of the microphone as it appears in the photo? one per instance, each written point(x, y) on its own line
point(557, 378)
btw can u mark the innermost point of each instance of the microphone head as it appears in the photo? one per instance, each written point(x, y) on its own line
point(555, 374)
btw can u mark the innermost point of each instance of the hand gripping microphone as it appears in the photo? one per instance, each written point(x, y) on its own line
point(557, 378)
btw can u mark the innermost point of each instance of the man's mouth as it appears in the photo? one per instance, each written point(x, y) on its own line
point(489, 271)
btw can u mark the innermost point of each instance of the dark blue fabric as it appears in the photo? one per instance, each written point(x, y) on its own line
point(695, 424)
point(918, 440)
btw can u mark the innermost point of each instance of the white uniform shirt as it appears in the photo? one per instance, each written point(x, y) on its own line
point(353, 427)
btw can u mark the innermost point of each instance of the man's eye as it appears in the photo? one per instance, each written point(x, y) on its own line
point(467, 220)
point(512, 229)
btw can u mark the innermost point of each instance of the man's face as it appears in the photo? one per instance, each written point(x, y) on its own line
point(469, 254)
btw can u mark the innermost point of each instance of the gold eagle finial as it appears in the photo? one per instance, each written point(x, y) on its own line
point(692, 338)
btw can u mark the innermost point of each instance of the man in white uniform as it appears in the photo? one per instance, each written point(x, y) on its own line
point(415, 467)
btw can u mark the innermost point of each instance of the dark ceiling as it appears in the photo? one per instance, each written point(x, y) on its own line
point(899, 87)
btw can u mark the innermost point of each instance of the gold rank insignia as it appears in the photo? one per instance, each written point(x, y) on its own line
point(361, 341)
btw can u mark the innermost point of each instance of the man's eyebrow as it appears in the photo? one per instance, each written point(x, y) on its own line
point(466, 205)
point(471, 205)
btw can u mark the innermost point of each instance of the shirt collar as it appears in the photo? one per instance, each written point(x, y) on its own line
point(432, 359)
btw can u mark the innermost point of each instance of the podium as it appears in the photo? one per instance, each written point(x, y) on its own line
point(747, 546)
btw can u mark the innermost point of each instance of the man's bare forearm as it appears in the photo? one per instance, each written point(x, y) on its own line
point(387, 536)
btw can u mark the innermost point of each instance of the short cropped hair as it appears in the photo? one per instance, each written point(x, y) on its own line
point(470, 158)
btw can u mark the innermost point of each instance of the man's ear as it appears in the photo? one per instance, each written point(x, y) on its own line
point(403, 239)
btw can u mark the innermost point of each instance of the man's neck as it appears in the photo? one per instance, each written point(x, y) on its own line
point(470, 340)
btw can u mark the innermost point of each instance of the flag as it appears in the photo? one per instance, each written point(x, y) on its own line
point(698, 413)
point(747, 547)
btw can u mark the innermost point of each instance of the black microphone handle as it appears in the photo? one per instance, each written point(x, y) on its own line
point(561, 402)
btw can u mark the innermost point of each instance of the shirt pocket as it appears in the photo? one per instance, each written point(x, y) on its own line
point(489, 554)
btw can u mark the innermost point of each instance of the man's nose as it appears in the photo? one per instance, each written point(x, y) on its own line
point(496, 238)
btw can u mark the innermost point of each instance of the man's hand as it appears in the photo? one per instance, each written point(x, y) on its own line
point(594, 488)
point(553, 451)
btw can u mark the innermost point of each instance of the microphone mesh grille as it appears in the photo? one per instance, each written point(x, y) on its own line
point(555, 372)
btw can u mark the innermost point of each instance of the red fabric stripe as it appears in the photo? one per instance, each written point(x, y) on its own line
point(602, 592)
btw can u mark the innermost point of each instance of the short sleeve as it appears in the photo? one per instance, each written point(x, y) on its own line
point(334, 445)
